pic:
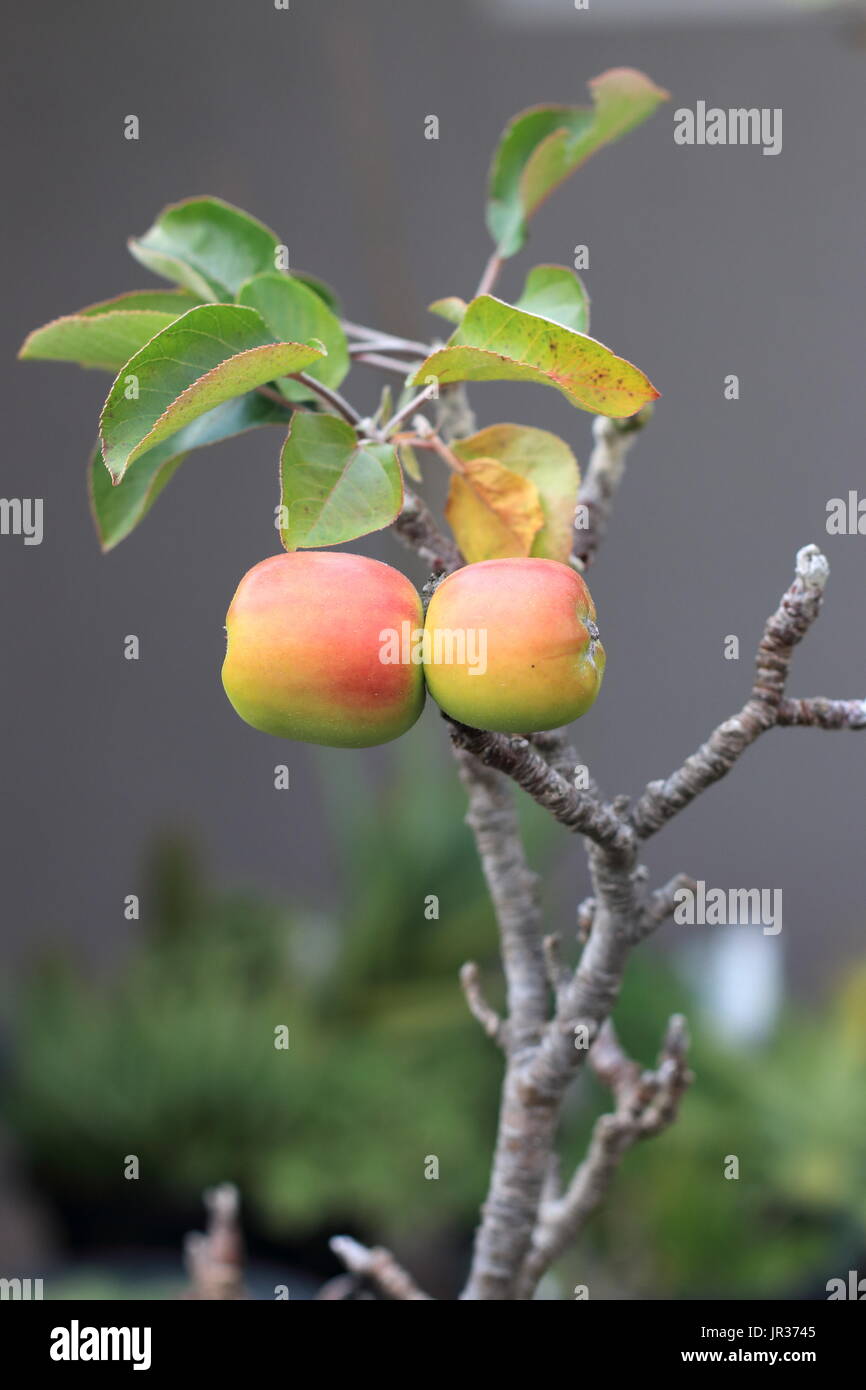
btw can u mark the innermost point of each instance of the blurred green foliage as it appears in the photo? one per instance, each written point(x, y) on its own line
point(792, 1111)
point(173, 1060)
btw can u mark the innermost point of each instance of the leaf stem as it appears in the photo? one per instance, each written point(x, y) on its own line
point(439, 446)
point(272, 394)
point(386, 364)
point(373, 337)
point(411, 406)
point(490, 274)
point(330, 396)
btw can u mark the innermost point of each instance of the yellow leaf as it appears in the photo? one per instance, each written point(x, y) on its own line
point(493, 512)
point(548, 463)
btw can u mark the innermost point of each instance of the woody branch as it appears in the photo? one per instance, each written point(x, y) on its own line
point(646, 1103)
point(622, 913)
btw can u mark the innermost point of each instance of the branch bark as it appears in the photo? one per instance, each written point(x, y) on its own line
point(470, 981)
point(621, 915)
point(646, 1103)
point(417, 529)
point(338, 404)
point(766, 707)
point(524, 1137)
point(380, 1267)
point(601, 483)
point(818, 713)
point(579, 810)
point(214, 1259)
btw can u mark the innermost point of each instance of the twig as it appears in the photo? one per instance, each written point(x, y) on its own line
point(604, 474)
point(405, 412)
point(417, 529)
point(214, 1260)
point(818, 713)
point(385, 364)
point(646, 1103)
point(435, 442)
point(373, 345)
point(514, 890)
point(271, 394)
point(344, 1288)
point(380, 1267)
point(489, 275)
point(329, 395)
point(583, 812)
point(578, 810)
point(390, 340)
point(786, 627)
point(489, 1019)
point(662, 904)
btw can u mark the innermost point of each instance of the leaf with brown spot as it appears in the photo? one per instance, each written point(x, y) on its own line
point(499, 342)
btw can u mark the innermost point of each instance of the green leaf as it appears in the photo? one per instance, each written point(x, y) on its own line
point(174, 302)
point(385, 408)
point(409, 461)
point(542, 146)
point(208, 246)
point(295, 313)
point(207, 356)
point(555, 292)
point(319, 287)
point(105, 340)
point(498, 342)
point(332, 488)
point(118, 507)
point(126, 323)
point(544, 460)
point(451, 308)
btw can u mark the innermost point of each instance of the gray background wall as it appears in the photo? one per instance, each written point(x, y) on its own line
point(703, 262)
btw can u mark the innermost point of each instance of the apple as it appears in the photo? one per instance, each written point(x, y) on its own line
point(307, 657)
point(512, 646)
